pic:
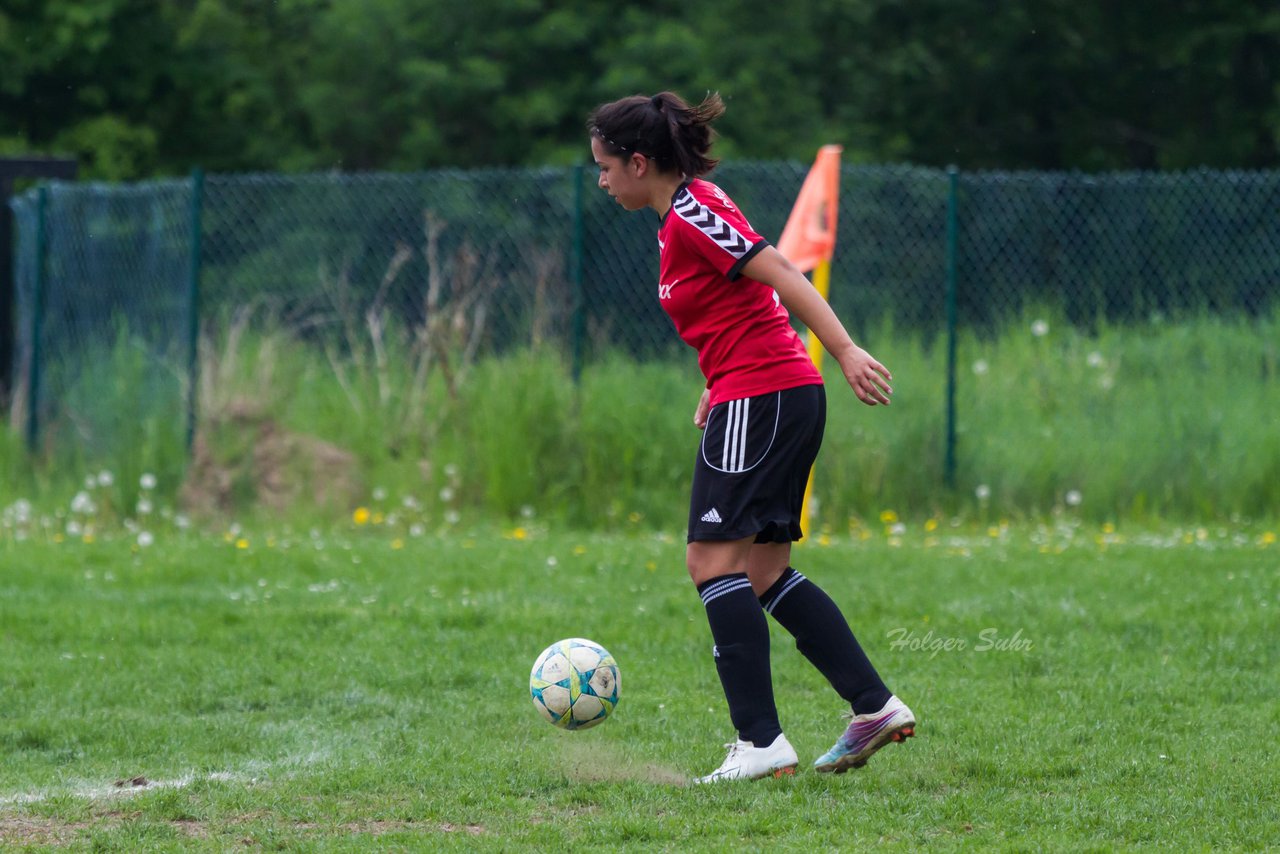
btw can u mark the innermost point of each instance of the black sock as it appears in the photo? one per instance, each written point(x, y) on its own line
point(823, 636)
point(741, 635)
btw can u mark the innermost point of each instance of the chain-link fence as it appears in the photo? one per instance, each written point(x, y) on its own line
point(110, 278)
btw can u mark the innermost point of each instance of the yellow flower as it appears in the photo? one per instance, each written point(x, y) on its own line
point(88, 538)
point(242, 543)
point(579, 550)
point(360, 516)
point(931, 525)
point(1268, 538)
point(1108, 528)
point(397, 544)
point(377, 518)
point(824, 540)
point(519, 534)
point(888, 517)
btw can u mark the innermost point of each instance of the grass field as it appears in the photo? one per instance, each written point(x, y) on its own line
point(1078, 687)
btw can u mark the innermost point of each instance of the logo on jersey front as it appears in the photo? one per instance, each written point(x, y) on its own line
point(664, 291)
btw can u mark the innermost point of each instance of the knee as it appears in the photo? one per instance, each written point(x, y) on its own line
point(706, 561)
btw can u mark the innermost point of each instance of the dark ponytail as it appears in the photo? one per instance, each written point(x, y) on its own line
point(662, 127)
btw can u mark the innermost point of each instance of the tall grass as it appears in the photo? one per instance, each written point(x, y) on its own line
point(1159, 421)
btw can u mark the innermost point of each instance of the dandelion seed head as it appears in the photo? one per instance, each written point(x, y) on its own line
point(982, 492)
point(980, 367)
point(1040, 328)
point(147, 481)
point(1073, 497)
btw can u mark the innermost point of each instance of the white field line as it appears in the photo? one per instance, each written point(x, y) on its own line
point(127, 788)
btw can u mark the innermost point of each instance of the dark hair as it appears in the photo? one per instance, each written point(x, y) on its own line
point(662, 127)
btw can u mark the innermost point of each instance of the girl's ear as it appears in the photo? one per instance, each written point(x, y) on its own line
point(640, 163)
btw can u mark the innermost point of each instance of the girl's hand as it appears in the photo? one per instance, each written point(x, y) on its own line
point(868, 378)
point(704, 408)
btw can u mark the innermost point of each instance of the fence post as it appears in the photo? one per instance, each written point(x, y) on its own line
point(949, 464)
point(37, 322)
point(575, 271)
point(193, 304)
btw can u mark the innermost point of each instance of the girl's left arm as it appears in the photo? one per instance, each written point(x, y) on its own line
point(867, 377)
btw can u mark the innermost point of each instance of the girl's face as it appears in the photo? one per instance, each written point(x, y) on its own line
point(622, 177)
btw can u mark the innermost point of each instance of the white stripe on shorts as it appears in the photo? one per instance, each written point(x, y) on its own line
point(733, 458)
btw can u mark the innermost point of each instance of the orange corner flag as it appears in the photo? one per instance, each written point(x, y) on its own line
point(809, 237)
point(808, 241)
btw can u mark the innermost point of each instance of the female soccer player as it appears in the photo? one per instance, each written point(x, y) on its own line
point(762, 414)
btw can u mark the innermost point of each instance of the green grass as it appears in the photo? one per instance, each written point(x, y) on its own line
point(1142, 424)
point(363, 689)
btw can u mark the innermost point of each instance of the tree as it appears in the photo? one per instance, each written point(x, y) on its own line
point(141, 87)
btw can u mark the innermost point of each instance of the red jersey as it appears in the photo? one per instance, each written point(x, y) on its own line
point(743, 335)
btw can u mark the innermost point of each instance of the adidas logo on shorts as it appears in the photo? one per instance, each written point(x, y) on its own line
point(712, 516)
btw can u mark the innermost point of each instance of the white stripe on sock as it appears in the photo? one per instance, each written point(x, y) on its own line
point(715, 586)
point(786, 588)
point(718, 590)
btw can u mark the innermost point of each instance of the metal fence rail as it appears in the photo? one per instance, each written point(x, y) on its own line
point(515, 258)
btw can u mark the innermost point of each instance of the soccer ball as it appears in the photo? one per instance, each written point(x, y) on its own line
point(575, 683)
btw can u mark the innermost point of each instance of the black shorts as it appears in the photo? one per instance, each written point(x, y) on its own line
point(753, 465)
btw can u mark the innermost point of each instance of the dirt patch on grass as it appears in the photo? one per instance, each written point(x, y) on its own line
point(39, 831)
point(241, 457)
point(35, 830)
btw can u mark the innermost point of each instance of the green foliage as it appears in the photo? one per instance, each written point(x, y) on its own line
point(139, 87)
point(1130, 423)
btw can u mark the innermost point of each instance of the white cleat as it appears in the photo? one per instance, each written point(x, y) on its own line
point(748, 762)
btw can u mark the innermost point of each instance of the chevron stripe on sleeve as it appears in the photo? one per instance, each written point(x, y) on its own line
point(701, 217)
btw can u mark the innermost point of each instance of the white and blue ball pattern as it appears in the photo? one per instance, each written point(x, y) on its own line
point(575, 683)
